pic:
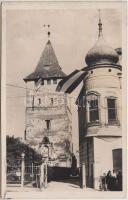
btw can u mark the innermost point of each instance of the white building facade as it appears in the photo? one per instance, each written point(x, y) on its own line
point(99, 110)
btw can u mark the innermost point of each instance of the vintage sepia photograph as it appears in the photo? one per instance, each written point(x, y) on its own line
point(64, 83)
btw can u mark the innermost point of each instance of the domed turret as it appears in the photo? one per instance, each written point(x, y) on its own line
point(101, 52)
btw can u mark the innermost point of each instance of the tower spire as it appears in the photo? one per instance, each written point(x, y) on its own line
point(48, 32)
point(100, 25)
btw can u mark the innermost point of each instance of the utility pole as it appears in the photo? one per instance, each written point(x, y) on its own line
point(82, 176)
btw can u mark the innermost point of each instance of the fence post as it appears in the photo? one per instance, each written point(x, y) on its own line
point(22, 169)
point(45, 175)
point(32, 172)
point(42, 176)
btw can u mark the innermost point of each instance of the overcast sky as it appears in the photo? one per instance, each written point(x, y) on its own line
point(73, 33)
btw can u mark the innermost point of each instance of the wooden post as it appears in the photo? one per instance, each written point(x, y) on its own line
point(32, 173)
point(22, 169)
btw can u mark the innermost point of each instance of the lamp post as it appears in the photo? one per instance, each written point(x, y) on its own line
point(22, 169)
point(83, 176)
point(46, 167)
point(45, 152)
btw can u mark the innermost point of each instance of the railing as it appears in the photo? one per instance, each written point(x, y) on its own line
point(30, 174)
point(14, 172)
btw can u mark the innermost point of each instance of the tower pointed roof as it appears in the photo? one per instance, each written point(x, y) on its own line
point(47, 67)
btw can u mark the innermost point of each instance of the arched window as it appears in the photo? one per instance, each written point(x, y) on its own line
point(92, 107)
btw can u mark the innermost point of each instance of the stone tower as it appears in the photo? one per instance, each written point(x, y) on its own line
point(48, 115)
point(99, 110)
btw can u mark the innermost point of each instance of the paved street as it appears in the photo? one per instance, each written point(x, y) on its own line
point(55, 189)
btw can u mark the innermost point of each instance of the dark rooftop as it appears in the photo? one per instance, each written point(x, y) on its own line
point(47, 67)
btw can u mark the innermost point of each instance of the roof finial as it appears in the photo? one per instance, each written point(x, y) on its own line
point(48, 33)
point(100, 25)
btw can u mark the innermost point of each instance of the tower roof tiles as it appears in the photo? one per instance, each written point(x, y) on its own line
point(47, 67)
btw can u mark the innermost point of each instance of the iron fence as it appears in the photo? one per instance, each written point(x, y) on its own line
point(23, 174)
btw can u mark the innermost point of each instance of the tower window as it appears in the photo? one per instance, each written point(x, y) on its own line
point(109, 70)
point(39, 101)
point(42, 82)
point(92, 108)
point(55, 81)
point(112, 111)
point(48, 124)
point(49, 82)
point(51, 101)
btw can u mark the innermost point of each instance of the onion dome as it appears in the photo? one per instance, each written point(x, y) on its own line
point(101, 52)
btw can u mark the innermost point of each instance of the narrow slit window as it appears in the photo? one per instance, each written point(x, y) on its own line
point(55, 81)
point(48, 124)
point(39, 101)
point(49, 82)
point(52, 101)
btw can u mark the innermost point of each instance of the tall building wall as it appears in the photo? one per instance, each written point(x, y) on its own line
point(48, 115)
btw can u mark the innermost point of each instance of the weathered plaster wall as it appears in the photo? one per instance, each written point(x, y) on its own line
point(103, 160)
point(47, 104)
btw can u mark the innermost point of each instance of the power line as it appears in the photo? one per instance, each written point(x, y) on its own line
point(15, 97)
point(21, 87)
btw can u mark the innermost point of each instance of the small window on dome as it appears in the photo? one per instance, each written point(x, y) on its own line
point(91, 72)
point(109, 70)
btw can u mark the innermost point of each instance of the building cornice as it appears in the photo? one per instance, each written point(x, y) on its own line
point(105, 65)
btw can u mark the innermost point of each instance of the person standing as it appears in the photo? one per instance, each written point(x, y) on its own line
point(119, 181)
point(103, 180)
point(108, 180)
